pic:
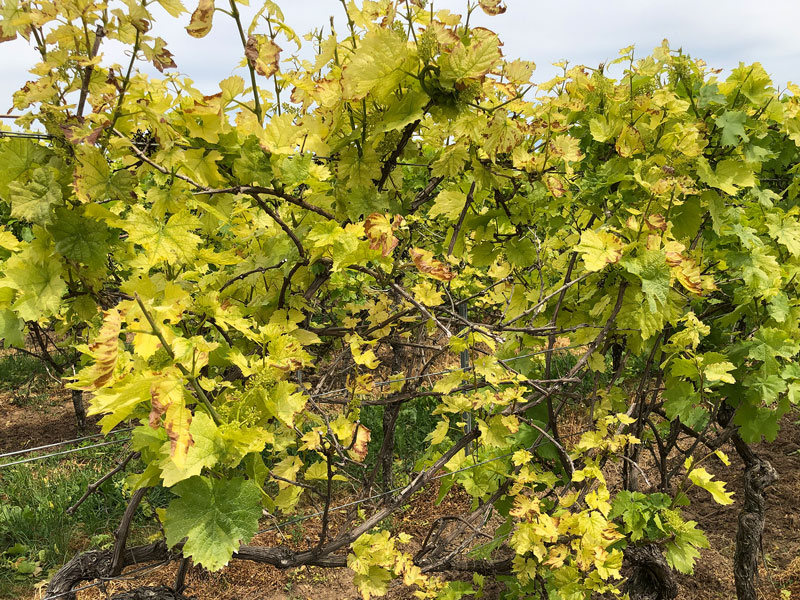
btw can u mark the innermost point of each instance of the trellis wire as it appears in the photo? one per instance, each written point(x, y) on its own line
point(444, 372)
point(62, 453)
point(312, 396)
point(64, 443)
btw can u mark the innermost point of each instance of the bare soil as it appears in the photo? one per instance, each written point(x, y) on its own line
point(29, 426)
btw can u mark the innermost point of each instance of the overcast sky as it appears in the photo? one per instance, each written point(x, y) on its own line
point(722, 32)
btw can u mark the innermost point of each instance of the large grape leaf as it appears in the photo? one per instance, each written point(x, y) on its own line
point(32, 200)
point(214, 516)
point(473, 61)
point(652, 269)
point(172, 241)
point(94, 181)
point(227, 444)
point(16, 157)
point(375, 67)
point(599, 249)
point(85, 241)
point(39, 284)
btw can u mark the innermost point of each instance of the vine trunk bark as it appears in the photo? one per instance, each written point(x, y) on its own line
point(651, 579)
point(758, 476)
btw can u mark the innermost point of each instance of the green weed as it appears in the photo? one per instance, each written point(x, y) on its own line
point(25, 377)
point(37, 536)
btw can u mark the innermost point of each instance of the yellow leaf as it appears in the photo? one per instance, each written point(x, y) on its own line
point(428, 265)
point(702, 478)
point(438, 435)
point(629, 142)
point(104, 350)
point(167, 397)
point(599, 249)
point(263, 54)
point(200, 23)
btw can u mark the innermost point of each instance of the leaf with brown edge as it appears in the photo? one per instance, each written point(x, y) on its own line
point(200, 23)
point(688, 274)
point(167, 398)
point(361, 443)
point(263, 54)
point(76, 135)
point(380, 232)
point(555, 185)
point(104, 350)
point(425, 262)
point(674, 252)
point(492, 7)
point(162, 58)
point(656, 222)
point(685, 269)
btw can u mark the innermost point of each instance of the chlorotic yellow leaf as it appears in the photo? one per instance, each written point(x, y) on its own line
point(376, 64)
point(104, 351)
point(702, 478)
point(167, 397)
point(425, 262)
point(200, 23)
point(380, 232)
point(263, 54)
point(599, 249)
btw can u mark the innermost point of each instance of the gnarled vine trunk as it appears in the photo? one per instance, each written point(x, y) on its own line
point(758, 476)
point(160, 592)
point(651, 579)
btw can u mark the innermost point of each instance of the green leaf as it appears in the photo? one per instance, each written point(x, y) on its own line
point(759, 269)
point(786, 230)
point(731, 123)
point(11, 329)
point(681, 552)
point(94, 181)
point(16, 157)
point(406, 111)
point(682, 401)
point(81, 240)
point(39, 284)
point(755, 422)
point(215, 515)
point(729, 176)
point(779, 307)
point(32, 200)
point(652, 269)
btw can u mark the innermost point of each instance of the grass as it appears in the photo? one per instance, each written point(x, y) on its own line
point(25, 378)
point(36, 534)
point(414, 422)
